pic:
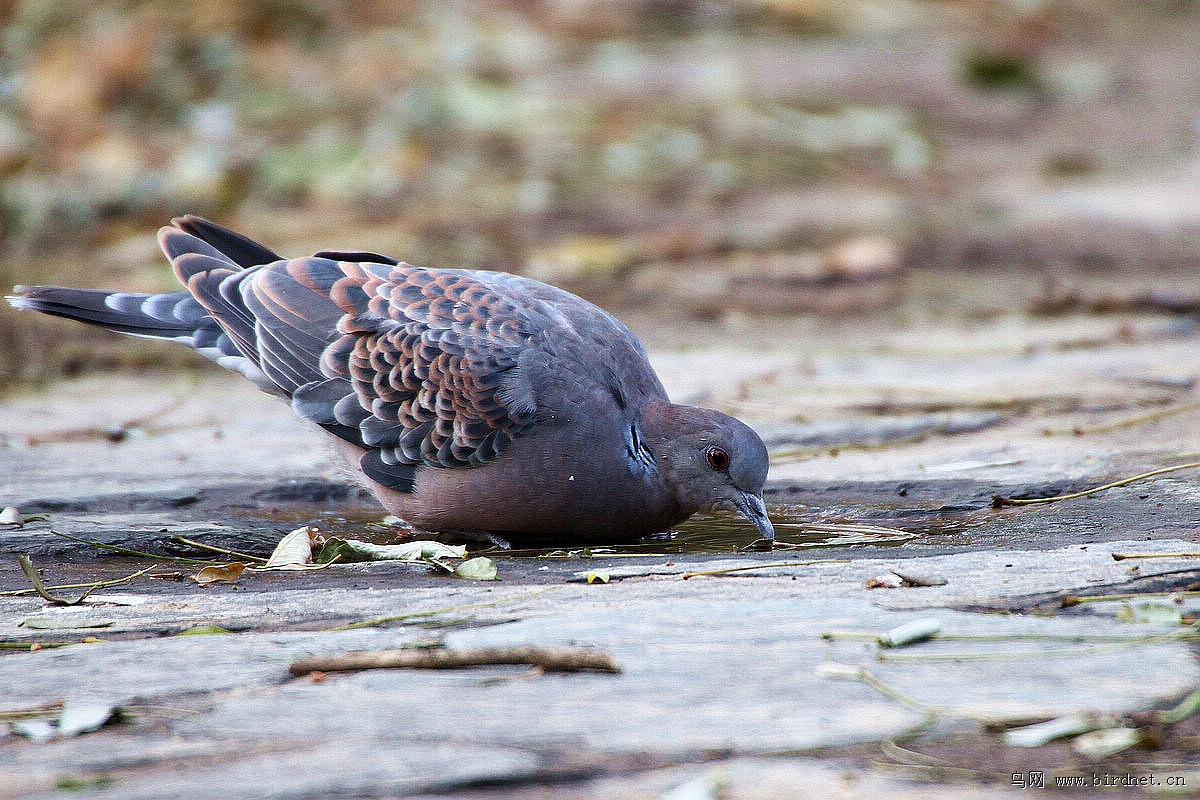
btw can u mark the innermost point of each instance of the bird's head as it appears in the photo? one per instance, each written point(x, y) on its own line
point(711, 461)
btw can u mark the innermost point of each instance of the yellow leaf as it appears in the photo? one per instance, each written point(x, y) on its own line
point(227, 573)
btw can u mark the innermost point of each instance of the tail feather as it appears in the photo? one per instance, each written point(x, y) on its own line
point(243, 308)
point(174, 316)
point(160, 316)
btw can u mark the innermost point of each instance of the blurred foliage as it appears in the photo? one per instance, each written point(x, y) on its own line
point(501, 135)
point(120, 111)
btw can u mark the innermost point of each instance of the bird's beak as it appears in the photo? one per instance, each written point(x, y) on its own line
point(751, 507)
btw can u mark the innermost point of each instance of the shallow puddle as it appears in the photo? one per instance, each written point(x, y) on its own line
point(795, 529)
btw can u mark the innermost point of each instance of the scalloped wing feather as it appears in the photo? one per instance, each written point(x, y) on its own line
point(417, 366)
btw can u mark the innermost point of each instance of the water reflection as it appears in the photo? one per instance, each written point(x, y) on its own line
point(795, 529)
point(712, 533)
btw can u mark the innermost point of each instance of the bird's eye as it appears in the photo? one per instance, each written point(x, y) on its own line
point(717, 458)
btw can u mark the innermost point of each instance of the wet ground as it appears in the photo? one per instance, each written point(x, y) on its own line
point(889, 443)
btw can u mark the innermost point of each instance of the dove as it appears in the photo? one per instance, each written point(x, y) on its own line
point(467, 401)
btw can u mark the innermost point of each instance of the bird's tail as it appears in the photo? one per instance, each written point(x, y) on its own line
point(210, 317)
point(178, 316)
point(175, 315)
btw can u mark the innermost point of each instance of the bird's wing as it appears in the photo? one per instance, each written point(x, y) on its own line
point(241, 250)
point(416, 366)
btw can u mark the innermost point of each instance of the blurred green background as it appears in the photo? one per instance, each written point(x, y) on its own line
point(707, 161)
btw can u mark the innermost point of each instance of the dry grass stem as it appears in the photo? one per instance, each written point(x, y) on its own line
point(214, 549)
point(112, 433)
point(127, 552)
point(773, 565)
point(434, 612)
point(1124, 556)
point(89, 586)
point(1075, 599)
point(1130, 422)
point(999, 501)
point(32, 574)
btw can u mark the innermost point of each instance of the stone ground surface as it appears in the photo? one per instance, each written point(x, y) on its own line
point(974, 226)
point(758, 683)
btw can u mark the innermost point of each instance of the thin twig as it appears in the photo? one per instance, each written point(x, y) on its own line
point(1023, 655)
point(214, 549)
point(999, 501)
point(929, 712)
point(35, 645)
point(848, 527)
point(1130, 422)
point(549, 659)
point(774, 565)
point(1188, 706)
point(909, 702)
point(1124, 556)
point(1078, 638)
point(127, 552)
point(1070, 600)
point(113, 433)
point(47, 711)
point(377, 621)
point(90, 585)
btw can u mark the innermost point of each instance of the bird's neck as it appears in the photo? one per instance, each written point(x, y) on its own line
point(661, 423)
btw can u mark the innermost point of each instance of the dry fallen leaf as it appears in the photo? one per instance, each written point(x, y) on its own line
point(293, 549)
point(896, 580)
point(480, 568)
point(62, 622)
point(349, 550)
point(225, 573)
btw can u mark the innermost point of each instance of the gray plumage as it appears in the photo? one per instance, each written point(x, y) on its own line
point(469, 401)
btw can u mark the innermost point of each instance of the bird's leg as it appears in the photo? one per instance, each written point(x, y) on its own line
point(474, 537)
